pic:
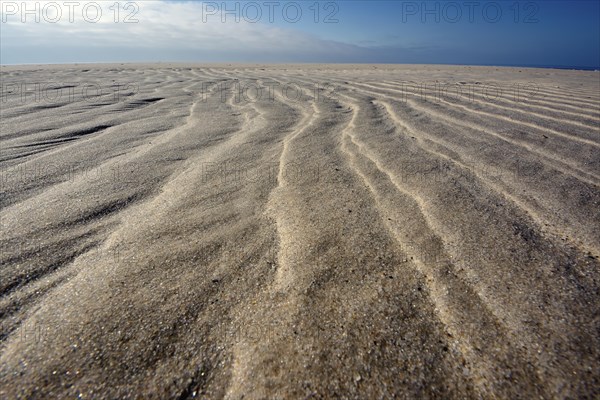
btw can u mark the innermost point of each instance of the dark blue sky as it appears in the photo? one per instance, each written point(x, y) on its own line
point(526, 33)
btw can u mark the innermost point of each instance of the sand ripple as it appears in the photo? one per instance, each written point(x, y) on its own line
point(237, 231)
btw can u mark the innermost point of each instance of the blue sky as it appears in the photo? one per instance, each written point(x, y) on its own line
point(527, 33)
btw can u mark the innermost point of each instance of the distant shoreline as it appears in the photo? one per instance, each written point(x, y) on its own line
point(558, 67)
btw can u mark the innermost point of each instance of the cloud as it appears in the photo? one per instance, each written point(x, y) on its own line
point(162, 27)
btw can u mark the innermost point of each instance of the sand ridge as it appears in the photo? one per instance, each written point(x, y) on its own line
point(352, 232)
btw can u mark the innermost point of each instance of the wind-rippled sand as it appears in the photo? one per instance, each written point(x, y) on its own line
point(167, 237)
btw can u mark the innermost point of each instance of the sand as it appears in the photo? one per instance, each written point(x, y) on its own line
point(356, 231)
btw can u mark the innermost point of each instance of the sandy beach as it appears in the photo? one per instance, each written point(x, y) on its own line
point(179, 231)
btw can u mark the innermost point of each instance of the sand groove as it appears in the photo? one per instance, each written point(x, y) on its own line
point(444, 286)
point(557, 227)
point(519, 122)
point(502, 192)
point(511, 99)
point(525, 108)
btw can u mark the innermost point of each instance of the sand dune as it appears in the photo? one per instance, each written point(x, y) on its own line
point(299, 231)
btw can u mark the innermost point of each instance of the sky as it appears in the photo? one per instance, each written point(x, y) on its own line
point(523, 33)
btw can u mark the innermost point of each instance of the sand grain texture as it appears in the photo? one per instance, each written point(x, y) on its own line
point(367, 238)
